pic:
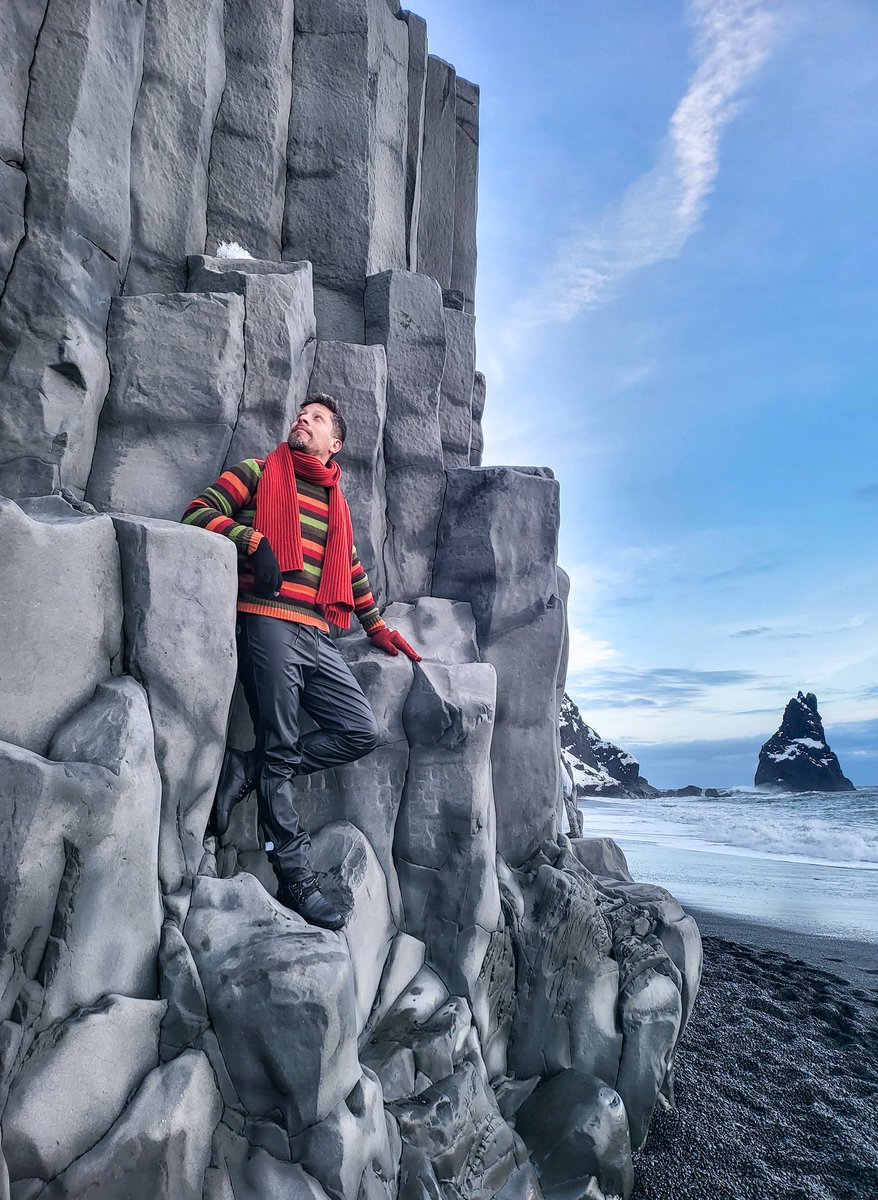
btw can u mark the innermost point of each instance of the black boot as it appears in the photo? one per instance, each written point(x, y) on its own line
point(237, 780)
point(304, 897)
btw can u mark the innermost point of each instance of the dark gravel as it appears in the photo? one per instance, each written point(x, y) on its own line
point(776, 1087)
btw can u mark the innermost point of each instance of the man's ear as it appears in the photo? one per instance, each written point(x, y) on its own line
point(335, 445)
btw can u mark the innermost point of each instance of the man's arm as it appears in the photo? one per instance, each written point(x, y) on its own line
point(364, 602)
point(218, 505)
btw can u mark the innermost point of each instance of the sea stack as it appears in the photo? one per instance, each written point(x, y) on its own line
point(797, 758)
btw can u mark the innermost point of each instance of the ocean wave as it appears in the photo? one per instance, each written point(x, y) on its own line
point(813, 839)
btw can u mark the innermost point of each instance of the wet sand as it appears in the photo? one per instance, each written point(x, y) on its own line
point(776, 1076)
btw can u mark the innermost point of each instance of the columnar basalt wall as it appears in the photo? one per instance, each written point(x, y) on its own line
point(209, 210)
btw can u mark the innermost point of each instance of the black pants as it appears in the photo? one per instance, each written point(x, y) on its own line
point(286, 667)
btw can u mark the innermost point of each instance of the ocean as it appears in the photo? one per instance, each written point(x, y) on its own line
point(805, 862)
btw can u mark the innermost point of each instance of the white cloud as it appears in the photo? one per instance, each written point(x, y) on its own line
point(663, 208)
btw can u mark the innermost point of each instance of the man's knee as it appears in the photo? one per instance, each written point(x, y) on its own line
point(363, 738)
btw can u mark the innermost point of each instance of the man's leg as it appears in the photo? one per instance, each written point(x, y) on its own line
point(333, 698)
point(273, 659)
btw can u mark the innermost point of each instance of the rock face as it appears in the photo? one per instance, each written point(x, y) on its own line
point(797, 758)
point(597, 767)
point(207, 211)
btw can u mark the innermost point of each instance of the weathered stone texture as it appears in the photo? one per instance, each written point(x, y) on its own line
point(53, 554)
point(357, 377)
point(456, 397)
point(437, 212)
point(404, 313)
point(177, 378)
point(12, 188)
point(183, 79)
point(245, 201)
point(19, 26)
point(181, 579)
point(508, 517)
point(466, 191)
point(279, 339)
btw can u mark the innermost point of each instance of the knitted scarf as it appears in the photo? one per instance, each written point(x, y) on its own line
point(277, 517)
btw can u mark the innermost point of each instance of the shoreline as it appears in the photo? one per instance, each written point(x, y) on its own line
point(776, 1075)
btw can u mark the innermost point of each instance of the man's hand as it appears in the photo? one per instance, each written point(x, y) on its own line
point(267, 578)
point(392, 642)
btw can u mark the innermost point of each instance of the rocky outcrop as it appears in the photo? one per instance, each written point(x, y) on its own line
point(500, 1014)
point(595, 766)
point(797, 758)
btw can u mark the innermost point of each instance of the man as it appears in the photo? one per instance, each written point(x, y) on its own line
point(298, 570)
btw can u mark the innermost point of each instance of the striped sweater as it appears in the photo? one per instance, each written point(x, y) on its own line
point(229, 507)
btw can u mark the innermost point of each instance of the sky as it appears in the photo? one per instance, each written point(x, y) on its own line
point(677, 309)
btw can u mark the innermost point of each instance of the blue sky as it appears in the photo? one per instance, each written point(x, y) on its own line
point(677, 312)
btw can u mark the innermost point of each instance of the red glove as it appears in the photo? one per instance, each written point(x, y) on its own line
point(392, 642)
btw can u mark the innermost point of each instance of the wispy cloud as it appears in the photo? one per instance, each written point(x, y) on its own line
point(663, 208)
point(655, 688)
point(869, 492)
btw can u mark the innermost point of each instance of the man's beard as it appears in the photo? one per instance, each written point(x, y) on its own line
point(296, 441)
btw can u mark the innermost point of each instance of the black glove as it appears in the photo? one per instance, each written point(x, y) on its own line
point(267, 578)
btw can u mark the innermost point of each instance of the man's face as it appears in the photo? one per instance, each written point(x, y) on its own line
point(311, 432)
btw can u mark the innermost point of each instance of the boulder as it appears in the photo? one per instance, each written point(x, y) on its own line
point(43, 1132)
point(180, 588)
point(184, 75)
point(281, 998)
point(55, 553)
point(352, 1148)
point(404, 314)
point(797, 758)
point(417, 85)
point(159, 1146)
point(456, 396)
point(466, 191)
point(477, 440)
point(177, 373)
point(83, 86)
point(437, 211)
point(576, 1131)
point(404, 960)
point(245, 198)
point(357, 377)
point(422, 1046)
point(355, 881)
point(507, 518)
point(279, 343)
point(603, 857)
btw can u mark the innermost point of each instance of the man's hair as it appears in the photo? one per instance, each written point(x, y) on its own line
point(339, 426)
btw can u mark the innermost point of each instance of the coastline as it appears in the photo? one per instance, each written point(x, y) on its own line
point(776, 1074)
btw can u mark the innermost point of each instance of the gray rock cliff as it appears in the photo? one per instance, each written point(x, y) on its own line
point(500, 1014)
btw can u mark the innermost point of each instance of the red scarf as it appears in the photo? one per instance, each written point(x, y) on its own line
point(277, 517)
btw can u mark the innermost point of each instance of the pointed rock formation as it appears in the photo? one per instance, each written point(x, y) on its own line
point(797, 758)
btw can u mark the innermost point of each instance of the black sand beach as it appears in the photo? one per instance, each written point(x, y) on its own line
point(777, 1074)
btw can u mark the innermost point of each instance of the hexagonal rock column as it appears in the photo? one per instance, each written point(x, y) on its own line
point(184, 73)
point(456, 396)
point(477, 440)
point(180, 587)
point(279, 341)
point(280, 995)
point(496, 548)
point(160, 1145)
point(43, 1131)
point(404, 314)
point(165, 429)
point(357, 377)
point(245, 199)
point(346, 158)
point(437, 212)
point(446, 824)
point(417, 80)
point(53, 365)
point(55, 553)
point(19, 26)
point(466, 191)
point(12, 188)
point(81, 909)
